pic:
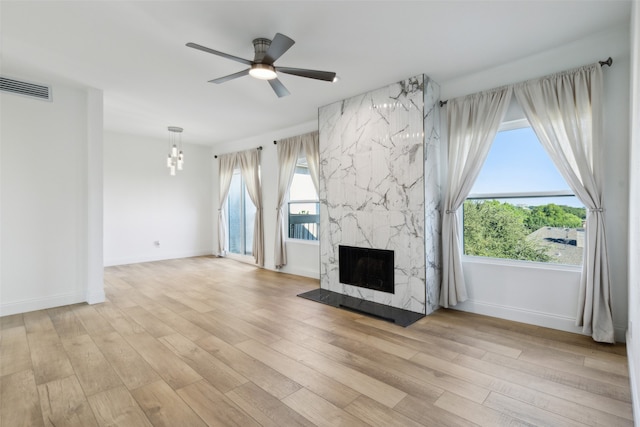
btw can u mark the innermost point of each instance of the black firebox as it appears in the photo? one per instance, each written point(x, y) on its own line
point(367, 268)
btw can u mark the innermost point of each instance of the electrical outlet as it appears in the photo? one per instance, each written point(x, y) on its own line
point(156, 243)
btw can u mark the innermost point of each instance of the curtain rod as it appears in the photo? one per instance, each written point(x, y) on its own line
point(608, 62)
point(259, 149)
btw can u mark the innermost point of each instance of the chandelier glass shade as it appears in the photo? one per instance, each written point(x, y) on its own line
point(175, 159)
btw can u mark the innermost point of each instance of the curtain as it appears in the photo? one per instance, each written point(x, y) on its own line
point(226, 166)
point(565, 111)
point(311, 145)
point(288, 152)
point(473, 122)
point(250, 168)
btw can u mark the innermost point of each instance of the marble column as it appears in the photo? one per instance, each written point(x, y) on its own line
point(379, 188)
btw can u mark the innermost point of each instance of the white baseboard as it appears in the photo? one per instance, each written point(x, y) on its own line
point(532, 317)
point(96, 297)
point(150, 258)
point(41, 303)
point(313, 274)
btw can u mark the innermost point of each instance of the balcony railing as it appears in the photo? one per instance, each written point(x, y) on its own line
point(304, 220)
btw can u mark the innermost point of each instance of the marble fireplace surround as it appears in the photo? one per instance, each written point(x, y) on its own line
point(380, 189)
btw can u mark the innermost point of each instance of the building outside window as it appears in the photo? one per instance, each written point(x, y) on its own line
point(303, 206)
point(241, 213)
point(520, 207)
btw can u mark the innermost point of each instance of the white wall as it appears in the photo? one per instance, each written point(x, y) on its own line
point(50, 199)
point(143, 204)
point(534, 295)
point(633, 337)
point(303, 258)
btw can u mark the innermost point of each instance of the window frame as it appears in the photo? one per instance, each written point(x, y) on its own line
point(479, 259)
point(288, 203)
point(243, 202)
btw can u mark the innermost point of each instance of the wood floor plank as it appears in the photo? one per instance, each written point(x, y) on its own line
point(94, 373)
point(319, 411)
point(48, 357)
point(236, 323)
point(148, 322)
point(427, 414)
point(19, 400)
point(163, 407)
point(230, 336)
point(423, 339)
point(92, 322)
point(116, 407)
point(64, 404)
point(380, 344)
point(193, 303)
point(265, 408)
point(377, 415)
point(377, 390)
point(11, 321)
point(214, 407)
point(575, 411)
point(65, 321)
point(562, 377)
point(132, 369)
point(383, 372)
point(328, 388)
point(15, 354)
point(476, 413)
point(122, 323)
point(181, 325)
point(168, 365)
point(433, 375)
point(616, 367)
point(602, 403)
point(213, 370)
point(260, 374)
point(526, 412)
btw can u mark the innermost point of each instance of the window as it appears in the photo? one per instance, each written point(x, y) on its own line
point(520, 207)
point(304, 206)
point(241, 213)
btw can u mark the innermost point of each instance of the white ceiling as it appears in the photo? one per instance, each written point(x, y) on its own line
point(135, 52)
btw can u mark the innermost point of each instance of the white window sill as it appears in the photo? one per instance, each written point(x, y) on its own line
point(302, 242)
point(468, 259)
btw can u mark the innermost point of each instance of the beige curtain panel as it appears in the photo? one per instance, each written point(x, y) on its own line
point(473, 122)
point(250, 167)
point(226, 166)
point(289, 150)
point(565, 111)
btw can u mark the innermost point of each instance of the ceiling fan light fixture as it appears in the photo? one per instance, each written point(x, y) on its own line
point(263, 72)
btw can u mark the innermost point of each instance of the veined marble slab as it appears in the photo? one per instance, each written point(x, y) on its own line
point(379, 188)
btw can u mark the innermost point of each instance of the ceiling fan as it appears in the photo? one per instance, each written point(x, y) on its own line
point(262, 67)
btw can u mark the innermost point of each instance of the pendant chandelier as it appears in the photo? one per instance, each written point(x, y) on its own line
point(175, 159)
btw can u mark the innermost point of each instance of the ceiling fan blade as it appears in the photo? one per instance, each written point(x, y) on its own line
point(230, 76)
point(312, 74)
point(215, 52)
point(279, 45)
point(278, 88)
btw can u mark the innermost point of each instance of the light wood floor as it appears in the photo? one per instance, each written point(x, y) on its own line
point(207, 341)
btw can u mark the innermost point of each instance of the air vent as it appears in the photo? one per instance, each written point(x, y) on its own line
point(31, 90)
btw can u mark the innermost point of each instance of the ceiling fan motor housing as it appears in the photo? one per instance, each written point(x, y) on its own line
point(260, 45)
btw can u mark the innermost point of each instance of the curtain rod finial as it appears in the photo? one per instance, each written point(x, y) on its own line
point(608, 62)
